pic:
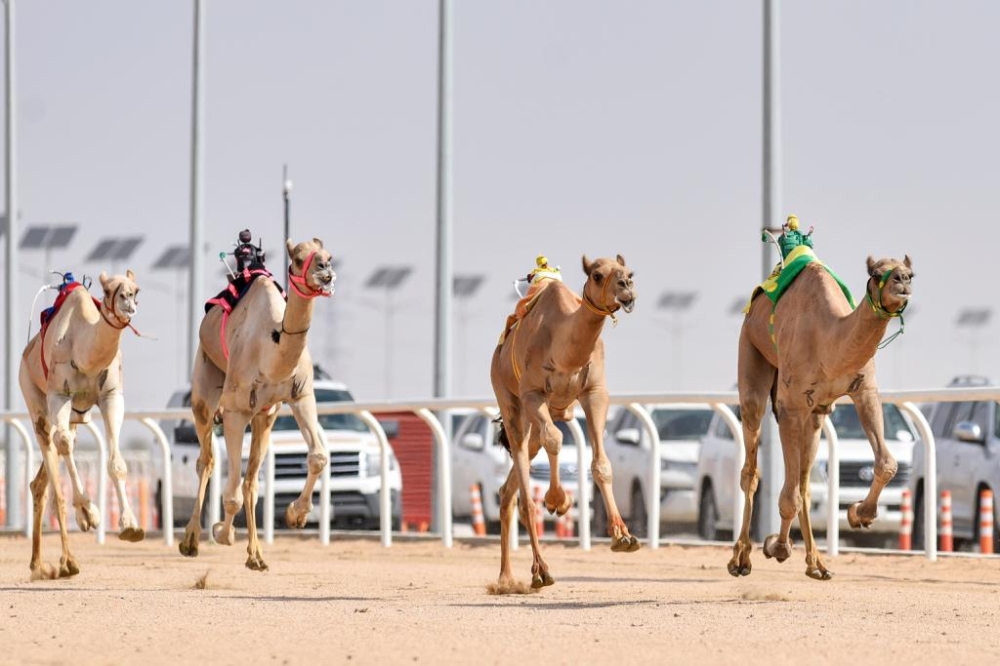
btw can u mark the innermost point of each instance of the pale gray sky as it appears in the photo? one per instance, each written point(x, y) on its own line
point(580, 127)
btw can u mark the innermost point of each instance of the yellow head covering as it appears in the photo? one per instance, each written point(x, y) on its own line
point(792, 222)
point(541, 264)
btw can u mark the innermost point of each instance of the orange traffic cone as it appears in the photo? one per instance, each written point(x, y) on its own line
point(478, 522)
point(565, 525)
point(906, 522)
point(144, 502)
point(3, 502)
point(986, 521)
point(539, 513)
point(947, 543)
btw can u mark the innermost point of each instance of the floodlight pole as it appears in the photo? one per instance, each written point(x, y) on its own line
point(13, 460)
point(286, 188)
point(197, 241)
point(769, 454)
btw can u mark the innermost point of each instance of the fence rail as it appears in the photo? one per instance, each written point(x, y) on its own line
point(721, 402)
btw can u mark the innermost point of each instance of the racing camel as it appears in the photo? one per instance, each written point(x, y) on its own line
point(249, 361)
point(551, 358)
point(805, 352)
point(73, 363)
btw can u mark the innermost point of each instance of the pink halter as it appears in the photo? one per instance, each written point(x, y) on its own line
point(296, 280)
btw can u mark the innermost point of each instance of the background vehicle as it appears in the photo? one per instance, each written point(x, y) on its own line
point(680, 427)
point(353, 466)
point(967, 443)
point(478, 458)
point(716, 475)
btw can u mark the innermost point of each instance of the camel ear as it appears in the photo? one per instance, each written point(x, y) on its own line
point(318, 242)
point(129, 274)
point(289, 246)
point(906, 260)
point(586, 265)
point(621, 260)
point(871, 266)
point(103, 277)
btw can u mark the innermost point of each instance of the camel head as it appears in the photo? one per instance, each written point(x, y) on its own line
point(121, 296)
point(889, 285)
point(609, 284)
point(310, 268)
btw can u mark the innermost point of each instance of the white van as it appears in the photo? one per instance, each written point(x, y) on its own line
point(353, 467)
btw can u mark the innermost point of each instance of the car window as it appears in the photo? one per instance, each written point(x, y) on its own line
point(677, 424)
point(628, 420)
point(996, 419)
point(848, 426)
point(943, 416)
point(722, 430)
point(350, 422)
point(568, 439)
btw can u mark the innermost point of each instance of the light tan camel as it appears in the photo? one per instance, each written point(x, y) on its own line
point(268, 364)
point(551, 359)
point(821, 350)
point(68, 367)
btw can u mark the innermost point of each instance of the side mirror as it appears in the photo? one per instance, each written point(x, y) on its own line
point(473, 441)
point(185, 433)
point(628, 436)
point(967, 431)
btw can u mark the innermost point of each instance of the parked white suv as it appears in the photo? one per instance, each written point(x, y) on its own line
point(680, 427)
point(353, 467)
point(478, 459)
point(716, 474)
point(967, 444)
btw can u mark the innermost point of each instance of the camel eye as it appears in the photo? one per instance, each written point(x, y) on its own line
point(598, 278)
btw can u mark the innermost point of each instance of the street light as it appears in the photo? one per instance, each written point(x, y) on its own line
point(48, 237)
point(464, 287)
point(178, 258)
point(677, 303)
point(388, 278)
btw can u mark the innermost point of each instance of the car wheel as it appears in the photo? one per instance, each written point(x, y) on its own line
point(708, 515)
point(917, 534)
point(599, 521)
point(640, 517)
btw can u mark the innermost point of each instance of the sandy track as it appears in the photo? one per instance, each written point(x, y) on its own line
point(417, 602)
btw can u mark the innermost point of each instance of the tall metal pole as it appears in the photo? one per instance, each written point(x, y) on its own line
point(13, 460)
point(443, 282)
point(197, 195)
point(769, 454)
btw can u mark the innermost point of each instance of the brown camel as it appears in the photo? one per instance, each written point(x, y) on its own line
point(551, 359)
point(267, 364)
point(69, 366)
point(820, 350)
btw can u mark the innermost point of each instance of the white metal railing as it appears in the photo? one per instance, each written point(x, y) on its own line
point(721, 402)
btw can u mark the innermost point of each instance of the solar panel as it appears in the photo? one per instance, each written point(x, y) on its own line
point(60, 237)
point(103, 249)
point(34, 238)
point(125, 247)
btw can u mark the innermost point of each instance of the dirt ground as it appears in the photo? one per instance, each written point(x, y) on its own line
point(417, 602)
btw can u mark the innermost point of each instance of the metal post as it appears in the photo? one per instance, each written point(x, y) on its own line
point(286, 189)
point(14, 488)
point(442, 319)
point(769, 455)
point(197, 195)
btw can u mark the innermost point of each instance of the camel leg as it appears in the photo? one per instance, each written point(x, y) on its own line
point(206, 389)
point(112, 406)
point(534, 407)
point(595, 407)
point(59, 409)
point(756, 377)
point(796, 434)
point(814, 563)
point(88, 515)
point(869, 408)
point(549, 438)
point(39, 496)
point(508, 497)
point(304, 411)
point(234, 425)
point(259, 439)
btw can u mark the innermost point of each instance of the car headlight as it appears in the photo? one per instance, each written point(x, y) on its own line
point(372, 461)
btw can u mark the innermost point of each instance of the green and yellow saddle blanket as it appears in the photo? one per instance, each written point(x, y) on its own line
point(779, 281)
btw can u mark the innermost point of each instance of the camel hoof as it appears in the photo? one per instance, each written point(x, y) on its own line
point(132, 534)
point(541, 580)
point(625, 544)
point(222, 535)
point(737, 570)
point(819, 574)
point(68, 568)
point(776, 549)
point(856, 520)
point(256, 563)
point(88, 517)
point(294, 518)
point(189, 544)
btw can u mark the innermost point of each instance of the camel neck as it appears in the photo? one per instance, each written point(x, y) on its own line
point(291, 338)
point(582, 336)
point(95, 342)
point(857, 337)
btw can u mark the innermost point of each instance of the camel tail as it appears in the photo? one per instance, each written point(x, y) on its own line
point(774, 395)
point(502, 433)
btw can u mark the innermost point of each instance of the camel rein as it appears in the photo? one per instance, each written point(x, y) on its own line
point(881, 312)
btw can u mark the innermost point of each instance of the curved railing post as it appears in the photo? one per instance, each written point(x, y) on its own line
point(102, 480)
point(385, 498)
point(930, 479)
point(269, 494)
point(739, 460)
point(655, 474)
point(583, 487)
point(29, 463)
point(832, 488)
point(444, 474)
point(215, 492)
point(167, 483)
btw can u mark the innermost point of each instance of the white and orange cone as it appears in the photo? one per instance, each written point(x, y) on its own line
point(906, 522)
point(946, 542)
point(986, 521)
point(478, 522)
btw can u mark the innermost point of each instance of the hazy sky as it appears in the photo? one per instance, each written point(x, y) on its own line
point(581, 127)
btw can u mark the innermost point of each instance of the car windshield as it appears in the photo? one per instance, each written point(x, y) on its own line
point(350, 422)
point(845, 421)
point(568, 439)
point(675, 424)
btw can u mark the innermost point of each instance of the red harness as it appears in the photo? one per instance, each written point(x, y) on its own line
point(296, 280)
point(48, 314)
